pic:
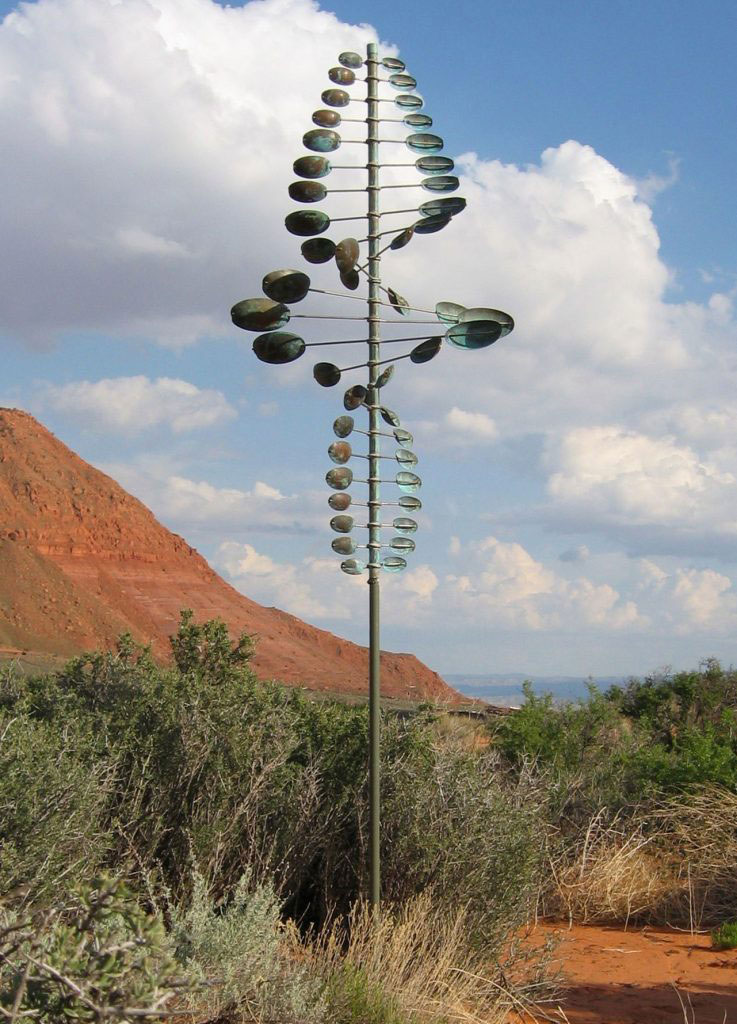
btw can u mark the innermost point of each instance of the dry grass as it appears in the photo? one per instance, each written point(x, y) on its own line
point(672, 863)
point(462, 732)
point(702, 833)
point(617, 871)
point(415, 965)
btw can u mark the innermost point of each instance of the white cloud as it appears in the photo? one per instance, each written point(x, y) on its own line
point(315, 588)
point(186, 505)
point(689, 600)
point(134, 404)
point(419, 583)
point(504, 585)
point(651, 186)
point(495, 586)
point(244, 560)
point(147, 153)
point(707, 599)
point(306, 589)
point(262, 490)
point(652, 576)
point(146, 147)
point(471, 426)
point(710, 424)
point(607, 477)
point(575, 258)
point(140, 242)
point(628, 475)
point(503, 588)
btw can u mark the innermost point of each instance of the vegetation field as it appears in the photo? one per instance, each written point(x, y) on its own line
point(192, 841)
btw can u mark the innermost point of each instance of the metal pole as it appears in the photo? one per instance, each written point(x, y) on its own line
point(374, 313)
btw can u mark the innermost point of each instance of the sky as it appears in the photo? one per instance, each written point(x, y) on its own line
point(579, 476)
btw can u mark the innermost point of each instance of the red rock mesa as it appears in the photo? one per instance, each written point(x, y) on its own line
point(82, 561)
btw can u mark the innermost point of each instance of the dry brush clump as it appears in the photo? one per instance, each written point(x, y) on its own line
point(102, 957)
point(414, 964)
point(243, 962)
point(455, 824)
point(615, 870)
point(700, 830)
point(671, 861)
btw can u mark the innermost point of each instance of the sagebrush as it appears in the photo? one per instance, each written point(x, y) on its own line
point(226, 807)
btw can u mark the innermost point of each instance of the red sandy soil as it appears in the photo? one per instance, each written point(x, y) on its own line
point(82, 561)
point(613, 976)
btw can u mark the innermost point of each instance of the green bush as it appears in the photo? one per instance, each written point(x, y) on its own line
point(452, 823)
point(99, 957)
point(580, 751)
point(225, 806)
point(235, 951)
point(156, 773)
point(638, 783)
point(668, 702)
point(697, 756)
point(725, 936)
point(651, 738)
point(560, 735)
point(53, 799)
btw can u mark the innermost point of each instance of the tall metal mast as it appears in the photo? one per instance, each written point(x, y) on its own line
point(374, 501)
point(462, 327)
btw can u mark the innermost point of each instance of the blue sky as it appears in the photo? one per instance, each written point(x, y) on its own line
point(579, 477)
point(643, 83)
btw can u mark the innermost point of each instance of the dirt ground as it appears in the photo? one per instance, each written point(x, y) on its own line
point(639, 976)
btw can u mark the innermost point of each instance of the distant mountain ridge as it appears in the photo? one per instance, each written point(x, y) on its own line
point(82, 561)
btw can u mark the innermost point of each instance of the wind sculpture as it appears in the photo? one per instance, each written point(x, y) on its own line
point(358, 260)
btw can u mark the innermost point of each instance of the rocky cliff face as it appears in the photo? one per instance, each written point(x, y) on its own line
point(81, 561)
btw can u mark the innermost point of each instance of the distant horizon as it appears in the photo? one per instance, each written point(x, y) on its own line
point(505, 689)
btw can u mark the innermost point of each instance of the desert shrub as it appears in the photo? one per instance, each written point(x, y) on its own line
point(557, 735)
point(53, 797)
point(169, 776)
point(155, 772)
point(100, 957)
point(666, 734)
point(698, 830)
point(207, 648)
point(352, 997)
point(581, 751)
point(671, 860)
point(453, 824)
point(725, 936)
point(96, 957)
point(205, 766)
point(239, 953)
point(616, 869)
point(666, 701)
point(165, 770)
point(696, 756)
point(688, 719)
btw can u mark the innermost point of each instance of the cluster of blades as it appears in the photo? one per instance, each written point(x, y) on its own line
point(462, 327)
point(341, 477)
